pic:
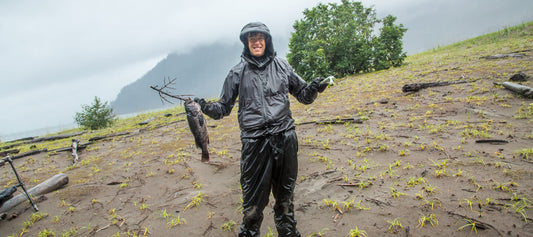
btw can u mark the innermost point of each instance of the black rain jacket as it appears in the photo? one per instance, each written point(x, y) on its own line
point(262, 85)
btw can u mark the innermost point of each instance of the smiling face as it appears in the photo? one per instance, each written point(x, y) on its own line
point(256, 44)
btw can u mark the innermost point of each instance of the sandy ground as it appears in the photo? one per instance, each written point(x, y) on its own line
point(413, 156)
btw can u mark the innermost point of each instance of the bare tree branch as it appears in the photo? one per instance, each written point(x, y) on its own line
point(163, 91)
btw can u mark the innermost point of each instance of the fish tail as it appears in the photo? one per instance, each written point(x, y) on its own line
point(205, 155)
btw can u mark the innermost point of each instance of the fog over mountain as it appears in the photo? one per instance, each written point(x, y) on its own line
point(199, 73)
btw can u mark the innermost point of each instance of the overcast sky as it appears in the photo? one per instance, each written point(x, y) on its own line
point(57, 55)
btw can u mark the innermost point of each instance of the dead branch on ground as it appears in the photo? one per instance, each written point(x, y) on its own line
point(334, 121)
point(414, 87)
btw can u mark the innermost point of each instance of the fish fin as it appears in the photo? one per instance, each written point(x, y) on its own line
point(201, 120)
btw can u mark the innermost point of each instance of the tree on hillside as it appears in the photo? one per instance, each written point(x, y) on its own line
point(388, 46)
point(339, 39)
point(96, 116)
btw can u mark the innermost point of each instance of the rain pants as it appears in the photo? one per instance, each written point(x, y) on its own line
point(269, 143)
point(269, 163)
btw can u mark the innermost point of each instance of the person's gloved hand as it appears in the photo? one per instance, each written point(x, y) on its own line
point(320, 84)
point(201, 102)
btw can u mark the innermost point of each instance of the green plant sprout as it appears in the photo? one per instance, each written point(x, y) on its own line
point(431, 218)
point(125, 183)
point(196, 185)
point(500, 186)
point(325, 144)
point(46, 233)
point(430, 190)
point(440, 173)
point(437, 147)
point(196, 201)
point(489, 201)
point(114, 217)
point(357, 233)
point(408, 166)
point(73, 231)
point(432, 203)
point(478, 186)
point(165, 215)
point(413, 181)
point(333, 204)
point(420, 194)
point(362, 168)
point(525, 153)
point(525, 112)
point(470, 202)
point(395, 225)
point(270, 233)
point(459, 173)
point(440, 165)
point(347, 205)
point(520, 208)
point(395, 193)
point(176, 221)
point(471, 223)
point(403, 152)
point(229, 226)
point(317, 234)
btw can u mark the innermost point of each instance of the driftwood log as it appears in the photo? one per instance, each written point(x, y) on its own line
point(52, 138)
point(414, 87)
point(29, 153)
point(146, 121)
point(92, 139)
point(30, 140)
point(81, 146)
point(35, 152)
point(13, 151)
point(51, 184)
point(517, 88)
point(335, 121)
point(492, 141)
point(508, 55)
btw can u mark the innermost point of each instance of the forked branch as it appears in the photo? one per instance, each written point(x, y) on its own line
point(163, 91)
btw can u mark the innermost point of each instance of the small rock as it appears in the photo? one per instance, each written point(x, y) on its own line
point(423, 174)
point(520, 76)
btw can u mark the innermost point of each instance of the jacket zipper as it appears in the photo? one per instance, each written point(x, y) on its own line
point(263, 101)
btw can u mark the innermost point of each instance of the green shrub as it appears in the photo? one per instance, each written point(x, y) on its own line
point(96, 116)
point(339, 39)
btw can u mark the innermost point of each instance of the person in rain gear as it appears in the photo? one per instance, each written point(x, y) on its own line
point(262, 82)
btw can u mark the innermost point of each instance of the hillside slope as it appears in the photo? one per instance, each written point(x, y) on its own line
point(412, 167)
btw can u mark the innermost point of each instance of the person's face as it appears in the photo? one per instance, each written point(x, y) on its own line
point(256, 44)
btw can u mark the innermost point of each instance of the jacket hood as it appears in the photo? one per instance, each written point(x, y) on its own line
point(261, 28)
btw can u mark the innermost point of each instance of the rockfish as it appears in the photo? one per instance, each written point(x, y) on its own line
point(198, 127)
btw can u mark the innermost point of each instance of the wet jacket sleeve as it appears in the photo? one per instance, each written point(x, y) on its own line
point(304, 93)
point(223, 107)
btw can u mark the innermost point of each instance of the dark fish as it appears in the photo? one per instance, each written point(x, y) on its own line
point(198, 127)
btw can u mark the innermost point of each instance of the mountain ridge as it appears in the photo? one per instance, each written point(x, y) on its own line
point(199, 73)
